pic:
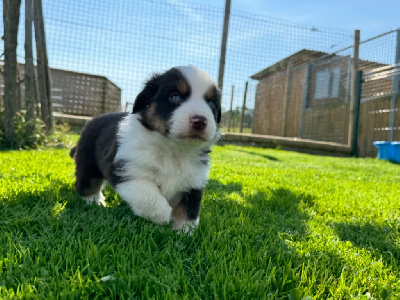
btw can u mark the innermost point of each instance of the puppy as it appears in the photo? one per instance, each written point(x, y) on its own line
point(157, 157)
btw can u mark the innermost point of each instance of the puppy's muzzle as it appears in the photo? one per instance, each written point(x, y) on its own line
point(198, 122)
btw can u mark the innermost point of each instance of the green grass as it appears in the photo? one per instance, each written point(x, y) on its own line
point(274, 224)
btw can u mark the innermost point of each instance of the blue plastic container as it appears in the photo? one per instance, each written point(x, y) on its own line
point(388, 150)
point(395, 152)
point(383, 150)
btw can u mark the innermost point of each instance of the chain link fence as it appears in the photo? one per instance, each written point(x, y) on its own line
point(128, 41)
point(380, 105)
point(298, 76)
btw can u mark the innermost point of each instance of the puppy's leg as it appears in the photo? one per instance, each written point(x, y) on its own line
point(89, 180)
point(145, 199)
point(90, 190)
point(186, 214)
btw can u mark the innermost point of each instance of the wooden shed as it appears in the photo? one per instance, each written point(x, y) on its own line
point(307, 95)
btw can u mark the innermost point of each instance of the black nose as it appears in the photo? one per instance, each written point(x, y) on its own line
point(198, 122)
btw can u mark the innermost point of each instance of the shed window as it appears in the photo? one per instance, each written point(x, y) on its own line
point(327, 83)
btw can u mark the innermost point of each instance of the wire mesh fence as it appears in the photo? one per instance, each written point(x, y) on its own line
point(380, 97)
point(308, 94)
point(128, 41)
point(299, 79)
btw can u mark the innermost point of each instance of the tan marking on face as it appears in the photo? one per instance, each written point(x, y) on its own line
point(210, 93)
point(155, 121)
point(183, 87)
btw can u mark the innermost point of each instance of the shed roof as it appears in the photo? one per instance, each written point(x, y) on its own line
point(305, 55)
point(296, 59)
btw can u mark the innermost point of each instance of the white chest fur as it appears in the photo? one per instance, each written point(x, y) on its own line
point(172, 166)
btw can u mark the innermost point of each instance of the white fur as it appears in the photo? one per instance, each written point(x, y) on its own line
point(97, 199)
point(199, 82)
point(180, 125)
point(145, 200)
point(186, 226)
point(158, 168)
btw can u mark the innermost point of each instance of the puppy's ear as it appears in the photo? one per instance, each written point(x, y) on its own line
point(219, 115)
point(143, 100)
point(219, 105)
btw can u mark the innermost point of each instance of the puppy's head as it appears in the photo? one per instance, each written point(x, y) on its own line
point(183, 103)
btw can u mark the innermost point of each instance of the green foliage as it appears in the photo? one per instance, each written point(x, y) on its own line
point(274, 225)
point(35, 138)
point(235, 120)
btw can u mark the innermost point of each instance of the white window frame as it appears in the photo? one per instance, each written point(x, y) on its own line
point(327, 83)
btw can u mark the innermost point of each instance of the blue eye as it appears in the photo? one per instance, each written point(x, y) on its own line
point(212, 104)
point(175, 97)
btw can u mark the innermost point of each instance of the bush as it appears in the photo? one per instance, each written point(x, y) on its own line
point(22, 139)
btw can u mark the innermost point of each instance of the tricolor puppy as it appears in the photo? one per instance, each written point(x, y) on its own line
point(157, 157)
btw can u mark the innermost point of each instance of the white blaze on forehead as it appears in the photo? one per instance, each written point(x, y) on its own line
point(198, 80)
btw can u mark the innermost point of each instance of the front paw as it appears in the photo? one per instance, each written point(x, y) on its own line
point(95, 199)
point(187, 227)
point(162, 214)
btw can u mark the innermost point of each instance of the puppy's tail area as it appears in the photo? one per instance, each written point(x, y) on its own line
point(72, 152)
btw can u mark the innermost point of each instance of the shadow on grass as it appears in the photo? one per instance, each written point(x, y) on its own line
point(57, 207)
point(269, 157)
point(268, 221)
point(274, 221)
point(380, 241)
point(277, 208)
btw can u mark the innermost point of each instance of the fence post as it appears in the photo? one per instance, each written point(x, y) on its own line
point(353, 91)
point(223, 44)
point(243, 107)
point(286, 99)
point(307, 74)
point(230, 110)
point(354, 143)
point(395, 87)
point(29, 68)
point(44, 81)
point(11, 15)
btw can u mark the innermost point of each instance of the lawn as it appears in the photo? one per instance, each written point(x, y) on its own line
point(274, 225)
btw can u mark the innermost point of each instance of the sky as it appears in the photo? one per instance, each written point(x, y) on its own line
point(372, 17)
point(127, 41)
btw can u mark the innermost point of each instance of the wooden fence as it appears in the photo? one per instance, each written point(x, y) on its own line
point(75, 93)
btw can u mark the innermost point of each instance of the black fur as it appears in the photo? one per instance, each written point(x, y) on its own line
point(95, 152)
point(191, 201)
point(214, 95)
point(156, 93)
point(72, 152)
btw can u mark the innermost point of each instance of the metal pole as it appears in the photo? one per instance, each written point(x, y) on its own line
point(286, 99)
point(354, 145)
point(230, 110)
point(243, 107)
point(395, 87)
point(353, 91)
point(223, 44)
point(307, 74)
